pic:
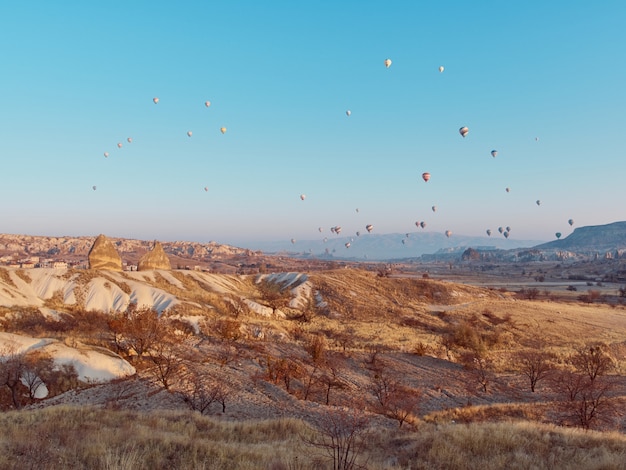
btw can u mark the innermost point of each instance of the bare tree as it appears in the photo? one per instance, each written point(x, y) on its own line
point(592, 360)
point(137, 330)
point(201, 389)
point(342, 438)
point(38, 368)
point(12, 367)
point(167, 358)
point(585, 401)
point(393, 399)
point(535, 364)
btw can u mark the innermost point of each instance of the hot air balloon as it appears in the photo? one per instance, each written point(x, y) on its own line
point(347, 244)
point(440, 68)
point(494, 153)
point(303, 196)
point(106, 154)
point(506, 234)
point(207, 103)
point(387, 63)
point(358, 234)
point(500, 229)
point(508, 190)
point(422, 224)
point(189, 133)
point(206, 188)
point(536, 139)
point(426, 176)
point(332, 229)
point(463, 131)
point(417, 224)
point(538, 202)
point(571, 222)
point(321, 229)
point(434, 208)
point(404, 241)
point(155, 100)
point(119, 145)
point(558, 234)
point(130, 140)
point(223, 130)
point(93, 187)
point(337, 229)
point(489, 232)
point(348, 112)
point(407, 235)
point(293, 240)
point(448, 233)
point(357, 209)
point(369, 228)
point(508, 229)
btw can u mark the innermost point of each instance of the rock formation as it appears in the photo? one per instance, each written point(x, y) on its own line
point(103, 255)
point(154, 259)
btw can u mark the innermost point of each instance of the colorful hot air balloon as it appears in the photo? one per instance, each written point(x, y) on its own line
point(347, 244)
point(337, 229)
point(538, 202)
point(321, 229)
point(440, 68)
point(558, 234)
point(207, 103)
point(369, 228)
point(571, 222)
point(206, 188)
point(423, 224)
point(464, 131)
point(348, 112)
point(106, 154)
point(508, 229)
point(223, 130)
point(434, 208)
point(130, 140)
point(293, 240)
point(448, 233)
point(358, 234)
point(189, 133)
point(417, 224)
point(494, 153)
point(426, 176)
point(500, 229)
point(508, 190)
point(506, 234)
point(302, 197)
point(155, 100)
point(94, 188)
point(387, 63)
point(119, 145)
point(489, 232)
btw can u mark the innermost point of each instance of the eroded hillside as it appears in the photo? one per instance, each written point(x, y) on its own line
point(290, 344)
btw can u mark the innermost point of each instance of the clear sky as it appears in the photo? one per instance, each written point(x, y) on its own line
point(541, 82)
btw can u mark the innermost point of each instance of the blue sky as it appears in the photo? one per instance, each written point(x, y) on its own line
point(77, 78)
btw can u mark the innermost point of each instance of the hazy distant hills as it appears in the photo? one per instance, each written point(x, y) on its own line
point(584, 242)
point(379, 247)
point(593, 238)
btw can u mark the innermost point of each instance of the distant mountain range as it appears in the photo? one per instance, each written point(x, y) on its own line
point(606, 241)
point(393, 246)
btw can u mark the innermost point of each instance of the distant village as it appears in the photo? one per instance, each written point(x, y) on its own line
point(34, 262)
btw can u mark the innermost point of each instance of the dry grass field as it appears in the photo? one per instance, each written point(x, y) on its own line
point(343, 368)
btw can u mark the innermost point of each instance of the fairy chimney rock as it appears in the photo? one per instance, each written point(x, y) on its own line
point(103, 255)
point(154, 259)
